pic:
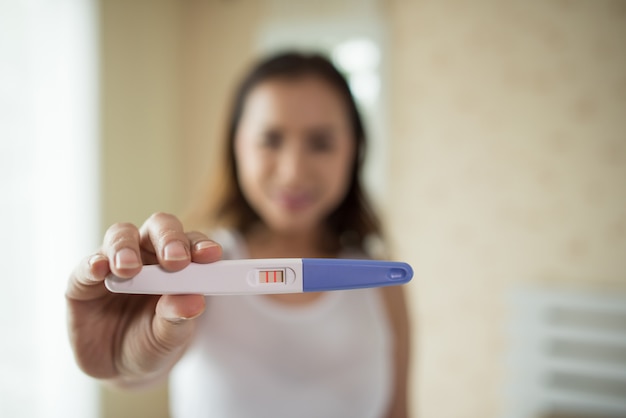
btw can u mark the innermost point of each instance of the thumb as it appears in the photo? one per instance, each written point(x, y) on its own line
point(173, 323)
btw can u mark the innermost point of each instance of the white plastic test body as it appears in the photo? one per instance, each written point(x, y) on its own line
point(264, 276)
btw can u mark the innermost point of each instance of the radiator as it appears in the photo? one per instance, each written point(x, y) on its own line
point(567, 354)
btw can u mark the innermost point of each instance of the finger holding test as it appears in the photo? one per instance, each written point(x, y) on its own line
point(121, 246)
point(162, 234)
point(177, 308)
point(173, 324)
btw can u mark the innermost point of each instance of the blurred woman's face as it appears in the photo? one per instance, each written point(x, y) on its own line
point(294, 151)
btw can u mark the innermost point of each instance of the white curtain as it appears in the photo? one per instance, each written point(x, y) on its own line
point(48, 198)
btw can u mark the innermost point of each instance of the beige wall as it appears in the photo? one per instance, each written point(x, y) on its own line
point(507, 159)
point(140, 66)
point(508, 122)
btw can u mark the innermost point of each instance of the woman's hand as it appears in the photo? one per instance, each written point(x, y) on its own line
point(134, 339)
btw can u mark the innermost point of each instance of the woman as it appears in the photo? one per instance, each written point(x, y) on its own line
point(290, 188)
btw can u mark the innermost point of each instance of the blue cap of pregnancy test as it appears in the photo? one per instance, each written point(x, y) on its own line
point(340, 274)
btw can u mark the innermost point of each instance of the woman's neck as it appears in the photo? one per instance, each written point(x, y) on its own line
point(265, 243)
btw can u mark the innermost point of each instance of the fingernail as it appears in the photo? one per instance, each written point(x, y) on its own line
point(203, 245)
point(176, 321)
point(175, 251)
point(179, 319)
point(95, 258)
point(172, 315)
point(126, 259)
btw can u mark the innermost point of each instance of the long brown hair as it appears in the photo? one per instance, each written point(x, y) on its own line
point(354, 220)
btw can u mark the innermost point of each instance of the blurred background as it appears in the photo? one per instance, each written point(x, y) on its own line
point(497, 161)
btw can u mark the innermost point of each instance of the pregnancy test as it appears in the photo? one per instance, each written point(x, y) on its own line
point(264, 276)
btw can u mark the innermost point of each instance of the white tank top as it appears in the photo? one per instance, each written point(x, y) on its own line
point(255, 358)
